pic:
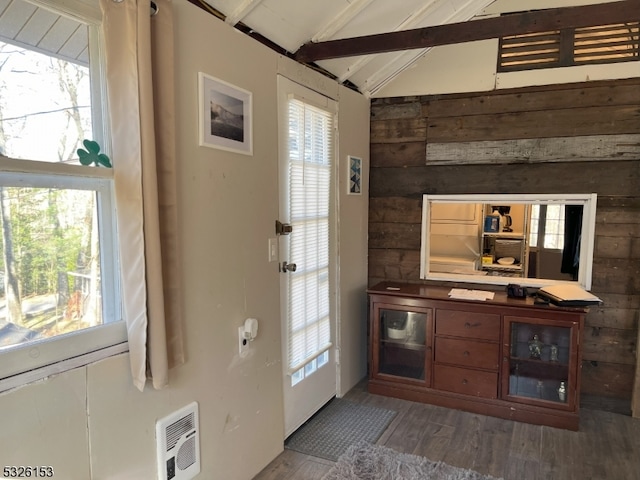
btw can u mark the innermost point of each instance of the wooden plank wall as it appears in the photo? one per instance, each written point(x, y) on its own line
point(403, 130)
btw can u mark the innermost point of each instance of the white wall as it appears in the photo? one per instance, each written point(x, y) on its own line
point(91, 422)
point(354, 212)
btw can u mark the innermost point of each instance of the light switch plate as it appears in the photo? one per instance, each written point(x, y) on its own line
point(273, 249)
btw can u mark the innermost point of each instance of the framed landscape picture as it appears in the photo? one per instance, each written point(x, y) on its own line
point(225, 115)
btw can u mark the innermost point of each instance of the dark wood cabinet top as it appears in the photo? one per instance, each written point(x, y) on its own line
point(437, 292)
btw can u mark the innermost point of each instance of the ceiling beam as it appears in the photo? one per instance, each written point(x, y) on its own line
point(430, 9)
point(241, 11)
point(410, 22)
point(484, 29)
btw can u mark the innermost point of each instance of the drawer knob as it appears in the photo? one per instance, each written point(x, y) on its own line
point(466, 353)
point(464, 381)
point(469, 325)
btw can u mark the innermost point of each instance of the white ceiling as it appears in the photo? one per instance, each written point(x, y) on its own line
point(29, 26)
point(292, 23)
point(287, 23)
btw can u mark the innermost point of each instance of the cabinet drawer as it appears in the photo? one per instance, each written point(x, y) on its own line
point(465, 381)
point(482, 326)
point(467, 353)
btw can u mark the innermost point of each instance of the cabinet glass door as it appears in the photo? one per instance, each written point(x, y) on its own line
point(402, 343)
point(540, 361)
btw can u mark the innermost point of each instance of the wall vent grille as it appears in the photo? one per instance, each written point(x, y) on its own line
point(569, 47)
point(178, 429)
point(178, 444)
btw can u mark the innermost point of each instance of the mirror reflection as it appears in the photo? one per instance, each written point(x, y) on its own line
point(508, 239)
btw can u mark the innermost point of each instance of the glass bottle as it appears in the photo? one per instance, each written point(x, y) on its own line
point(540, 388)
point(535, 347)
point(562, 392)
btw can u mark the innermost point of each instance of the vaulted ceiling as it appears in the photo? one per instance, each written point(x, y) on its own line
point(366, 43)
point(292, 23)
point(397, 32)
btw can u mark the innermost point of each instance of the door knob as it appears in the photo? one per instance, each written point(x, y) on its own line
point(288, 267)
point(283, 228)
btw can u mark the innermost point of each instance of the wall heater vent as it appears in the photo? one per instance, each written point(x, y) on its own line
point(178, 444)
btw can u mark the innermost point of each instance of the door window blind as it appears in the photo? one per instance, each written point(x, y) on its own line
point(310, 146)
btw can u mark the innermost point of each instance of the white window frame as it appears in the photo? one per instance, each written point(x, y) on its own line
point(542, 234)
point(24, 363)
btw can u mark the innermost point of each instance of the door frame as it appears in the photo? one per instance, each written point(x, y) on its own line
point(284, 83)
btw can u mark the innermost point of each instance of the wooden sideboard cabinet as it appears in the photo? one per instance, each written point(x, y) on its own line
point(508, 358)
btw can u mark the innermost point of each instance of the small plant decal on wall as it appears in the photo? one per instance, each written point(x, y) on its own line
point(92, 155)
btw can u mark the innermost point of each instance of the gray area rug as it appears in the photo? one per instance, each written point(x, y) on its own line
point(337, 426)
point(364, 461)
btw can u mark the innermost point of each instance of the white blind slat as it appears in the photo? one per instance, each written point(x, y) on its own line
point(310, 155)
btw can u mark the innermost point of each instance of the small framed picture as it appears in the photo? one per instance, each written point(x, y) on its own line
point(355, 175)
point(225, 115)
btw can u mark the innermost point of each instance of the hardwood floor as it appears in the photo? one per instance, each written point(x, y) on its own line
point(607, 447)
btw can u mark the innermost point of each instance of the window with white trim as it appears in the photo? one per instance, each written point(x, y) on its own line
point(59, 292)
point(546, 229)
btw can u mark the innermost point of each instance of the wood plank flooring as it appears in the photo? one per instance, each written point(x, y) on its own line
point(607, 447)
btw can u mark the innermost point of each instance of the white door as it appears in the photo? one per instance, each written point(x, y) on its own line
point(307, 257)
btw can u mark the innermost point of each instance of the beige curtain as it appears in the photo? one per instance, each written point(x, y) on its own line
point(139, 72)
